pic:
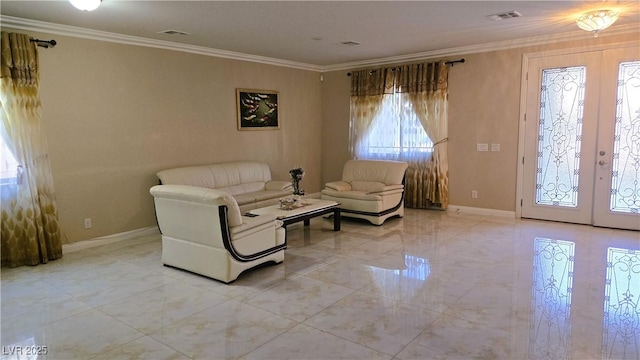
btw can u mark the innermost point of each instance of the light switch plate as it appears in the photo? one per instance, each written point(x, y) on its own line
point(482, 147)
point(495, 147)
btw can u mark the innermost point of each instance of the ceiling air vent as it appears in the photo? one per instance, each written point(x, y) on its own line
point(173, 32)
point(505, 15)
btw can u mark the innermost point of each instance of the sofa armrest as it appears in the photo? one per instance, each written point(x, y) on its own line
point(277, 185)
point(385, 193)
point(338, 186)
point(252, 224)
point(387, 188)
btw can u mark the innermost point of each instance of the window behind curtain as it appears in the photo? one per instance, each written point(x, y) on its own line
point(8, 165)
point(396, 133)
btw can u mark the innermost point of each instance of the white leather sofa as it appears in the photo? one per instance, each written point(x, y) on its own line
point(370, 189)
point(249, 182)
point(204, 232)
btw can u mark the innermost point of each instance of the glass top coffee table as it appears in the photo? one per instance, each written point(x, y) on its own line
point(311, 208)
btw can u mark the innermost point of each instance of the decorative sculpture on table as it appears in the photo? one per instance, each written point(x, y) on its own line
point(289, 203)
point(297, 174)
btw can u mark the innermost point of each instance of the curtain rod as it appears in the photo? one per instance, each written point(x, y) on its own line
point(44, 43)
point(461, 61)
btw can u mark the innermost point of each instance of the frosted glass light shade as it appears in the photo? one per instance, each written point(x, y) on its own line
point(86, 5)
point(598, 20)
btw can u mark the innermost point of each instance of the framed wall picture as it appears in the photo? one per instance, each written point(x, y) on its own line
point(257, 109)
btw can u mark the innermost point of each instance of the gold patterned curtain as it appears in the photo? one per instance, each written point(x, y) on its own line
point(29, 231)
point(367, 91)
point(425, 86)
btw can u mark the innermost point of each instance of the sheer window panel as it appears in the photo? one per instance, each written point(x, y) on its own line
point(396, 133)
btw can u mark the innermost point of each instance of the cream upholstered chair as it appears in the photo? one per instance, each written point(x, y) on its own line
point(369, 189)
point(204, 232)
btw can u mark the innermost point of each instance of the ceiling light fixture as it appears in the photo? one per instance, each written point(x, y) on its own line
point(596, 21)
point(86, 5)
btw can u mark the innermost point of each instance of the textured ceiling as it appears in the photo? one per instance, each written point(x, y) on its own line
point(313, 32)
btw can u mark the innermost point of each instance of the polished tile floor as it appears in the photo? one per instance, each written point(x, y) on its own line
point(432, 285)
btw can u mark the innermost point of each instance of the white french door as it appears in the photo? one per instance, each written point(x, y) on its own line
point(581, 149)
point(617, 182)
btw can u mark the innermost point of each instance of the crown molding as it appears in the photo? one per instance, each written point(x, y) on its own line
point(72, 31)
point(480, 48)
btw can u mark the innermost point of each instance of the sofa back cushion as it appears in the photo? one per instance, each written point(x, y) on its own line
point(369, 175)
point(199, 195)
point(244, 188)
point(233, 178)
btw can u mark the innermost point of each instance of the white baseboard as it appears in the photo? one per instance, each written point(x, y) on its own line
point(151, 230)
point(481, 211)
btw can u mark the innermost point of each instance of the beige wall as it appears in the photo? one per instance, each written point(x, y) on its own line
point(484, 106)
point(335, 124)
point(115, 114)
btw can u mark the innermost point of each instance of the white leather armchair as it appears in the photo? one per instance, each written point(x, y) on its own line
point(204, 232)
point(370, 189)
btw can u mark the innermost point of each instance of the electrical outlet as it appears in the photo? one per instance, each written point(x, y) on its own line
point(474, 194)
point(495, 147)
point(87, 223)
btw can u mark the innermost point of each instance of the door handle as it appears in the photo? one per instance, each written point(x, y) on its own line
point(602, 163)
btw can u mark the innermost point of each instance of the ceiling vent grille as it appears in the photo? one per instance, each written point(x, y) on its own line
point(173, 32)
point(505, 15)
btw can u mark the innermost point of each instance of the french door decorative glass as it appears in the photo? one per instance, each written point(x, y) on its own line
point(581, 159)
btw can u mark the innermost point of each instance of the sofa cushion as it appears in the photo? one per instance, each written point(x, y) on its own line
point(355, 195)
point(278, 185)
point(266, 195)
point(360, 201)
point(244, 199)
point(199, 176)
point(250, 171)
point(386, 172)
point(243, 188)
point(217, 176)
point(339, 185)
point(246, 181)
point(367, 186)
point(227, 175)
point(258, 196)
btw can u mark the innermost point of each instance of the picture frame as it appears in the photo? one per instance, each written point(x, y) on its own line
point(257, 109)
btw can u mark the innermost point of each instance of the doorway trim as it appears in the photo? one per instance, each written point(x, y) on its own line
point(523, 103)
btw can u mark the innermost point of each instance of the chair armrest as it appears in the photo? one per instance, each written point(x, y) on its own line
point(338, 185)
point(253, 224)
point(277, 185)
point(249, 222)
point(387, 188)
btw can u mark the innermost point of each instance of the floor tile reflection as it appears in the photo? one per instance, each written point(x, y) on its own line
point(432, 285)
